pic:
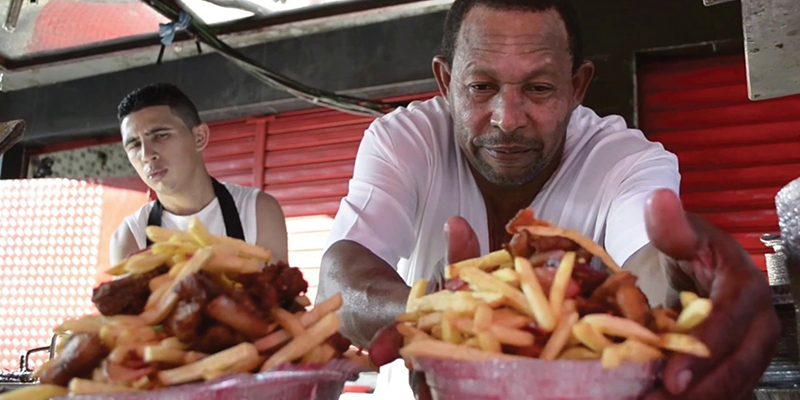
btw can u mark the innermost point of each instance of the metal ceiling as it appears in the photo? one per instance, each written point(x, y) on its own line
point(25, 61)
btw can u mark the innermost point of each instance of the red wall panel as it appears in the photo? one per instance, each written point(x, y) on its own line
point(734, 154)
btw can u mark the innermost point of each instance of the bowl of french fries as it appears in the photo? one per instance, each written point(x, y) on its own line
point(536, 321)
point(198, 316)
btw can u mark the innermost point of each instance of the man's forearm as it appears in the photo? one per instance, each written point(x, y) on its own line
point(374, 294)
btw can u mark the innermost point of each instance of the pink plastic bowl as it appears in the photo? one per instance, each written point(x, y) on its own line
point(536, 379)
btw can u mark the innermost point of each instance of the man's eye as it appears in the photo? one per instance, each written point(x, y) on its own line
point(540, 88)
point(481, 87)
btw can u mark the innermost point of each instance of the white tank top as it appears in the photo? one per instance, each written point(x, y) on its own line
point(210, 216)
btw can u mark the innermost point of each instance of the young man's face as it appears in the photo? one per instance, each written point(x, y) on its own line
point(511, 90)
point(163, 150)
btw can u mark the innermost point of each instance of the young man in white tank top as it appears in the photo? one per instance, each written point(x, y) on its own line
point(164, 138)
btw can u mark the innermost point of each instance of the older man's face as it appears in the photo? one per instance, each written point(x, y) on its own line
point(511, 92)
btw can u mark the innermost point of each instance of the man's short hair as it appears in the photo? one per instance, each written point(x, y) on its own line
point(160, 94)
point(461, 8)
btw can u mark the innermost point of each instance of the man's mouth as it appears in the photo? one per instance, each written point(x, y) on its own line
point(507, 153)
point(156, 175)
point(508, 150)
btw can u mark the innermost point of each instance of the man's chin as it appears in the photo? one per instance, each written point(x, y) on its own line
point(158, 187)
point(509, 178)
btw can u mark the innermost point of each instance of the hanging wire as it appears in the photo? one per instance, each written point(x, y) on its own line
point(345, 103)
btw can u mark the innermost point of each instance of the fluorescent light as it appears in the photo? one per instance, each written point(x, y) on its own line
point(212, 14)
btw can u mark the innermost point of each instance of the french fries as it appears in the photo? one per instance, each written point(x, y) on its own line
point(86, 386)
point(450, 351)
point(37, 392)
point(579, 353)
point(486, 262)
point(309, 318)
point(163, 354)
point(688, 298)
point(417, 291)
point(305, 342)
point(684, 344)
point(620, 327)
point(143, 355)
point(534, 294)
point(590, 337)
point(484, 281)
point(513, 309)
point(145, 263)
point(507, 275)
point(693, 314)
point(224, 359)
point(559, 337)
point(559, 288)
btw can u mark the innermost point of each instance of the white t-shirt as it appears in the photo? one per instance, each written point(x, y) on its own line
point(210, 216)
point(410, 177)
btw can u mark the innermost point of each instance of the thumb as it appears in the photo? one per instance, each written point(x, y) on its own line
point(462, 242)
point(668, 226)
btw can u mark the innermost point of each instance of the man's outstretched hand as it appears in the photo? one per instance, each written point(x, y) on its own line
point(743, 328)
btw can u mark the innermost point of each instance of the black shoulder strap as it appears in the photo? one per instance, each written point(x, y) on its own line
point(230, 214)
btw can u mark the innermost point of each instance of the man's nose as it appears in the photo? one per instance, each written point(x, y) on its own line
point(508, 112)
point(149, 152)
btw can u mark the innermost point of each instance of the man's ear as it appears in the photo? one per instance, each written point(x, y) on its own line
point(441, 70)
point(581, 80)
point(201, 135)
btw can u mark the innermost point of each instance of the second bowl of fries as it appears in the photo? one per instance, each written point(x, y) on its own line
point(535, 321)
point(198, 316)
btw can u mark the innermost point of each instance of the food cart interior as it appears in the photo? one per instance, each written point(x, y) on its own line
point(715, 81)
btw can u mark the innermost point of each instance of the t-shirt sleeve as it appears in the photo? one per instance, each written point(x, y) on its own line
point(625, 226)
point(380, 207)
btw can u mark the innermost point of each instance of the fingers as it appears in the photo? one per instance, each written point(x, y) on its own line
point(737, 299)
point(462, 242)
point(738, 374)
point(385, 346)
point(668, 227)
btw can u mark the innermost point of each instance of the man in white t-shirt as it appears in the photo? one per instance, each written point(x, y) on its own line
point(508, 132)
point(164, 138)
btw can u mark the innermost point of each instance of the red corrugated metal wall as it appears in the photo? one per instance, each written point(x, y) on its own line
point(309, 159)
point(232, 151)
point(734, 154)
point(305, 159)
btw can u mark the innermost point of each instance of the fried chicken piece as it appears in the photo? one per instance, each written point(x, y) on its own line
point(186, 320)
point(620, 293)
point(217, 338)
point(127, 295)
point(631, 303)
point(519, 245)
point(588, 278)
point(194, 292)
point(546, 243)
point(278, 284)
point(82, 353)
point(238, 316)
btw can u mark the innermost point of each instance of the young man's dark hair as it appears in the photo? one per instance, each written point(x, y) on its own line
point(461, 8)
point(160, 94)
